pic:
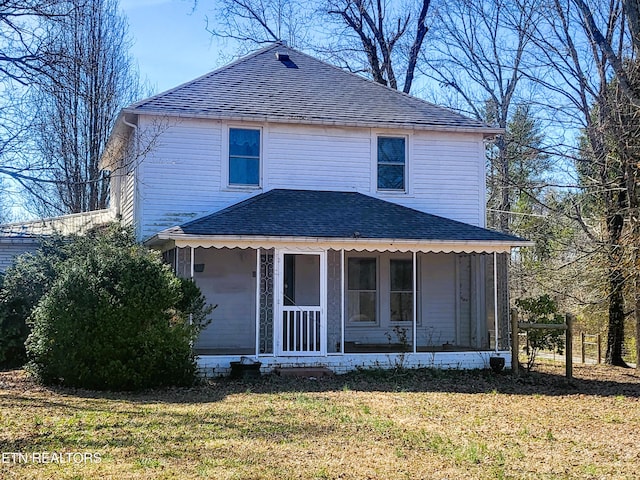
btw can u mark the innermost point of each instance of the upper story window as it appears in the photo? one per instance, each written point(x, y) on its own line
point(391, 163)
point(244, 157)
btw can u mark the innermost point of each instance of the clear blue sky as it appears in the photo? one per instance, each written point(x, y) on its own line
point(171, 44)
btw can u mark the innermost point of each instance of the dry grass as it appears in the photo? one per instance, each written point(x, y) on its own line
point(425, 424)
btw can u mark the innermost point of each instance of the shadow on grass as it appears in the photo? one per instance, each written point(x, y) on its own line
point(601, 381)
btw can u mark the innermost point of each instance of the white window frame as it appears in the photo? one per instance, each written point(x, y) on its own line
point(226, 159)
point(374, 162)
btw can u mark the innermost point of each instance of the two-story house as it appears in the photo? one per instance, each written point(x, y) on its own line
point(333, 220)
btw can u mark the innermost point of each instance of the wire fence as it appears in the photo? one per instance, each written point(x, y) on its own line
point(588, 349)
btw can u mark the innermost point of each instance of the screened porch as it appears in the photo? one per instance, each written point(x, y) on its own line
point(283, 302)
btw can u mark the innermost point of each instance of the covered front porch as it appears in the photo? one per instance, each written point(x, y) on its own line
point(345, 308)
point(344, 280)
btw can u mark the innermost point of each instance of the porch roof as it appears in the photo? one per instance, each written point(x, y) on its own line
point(332, 219)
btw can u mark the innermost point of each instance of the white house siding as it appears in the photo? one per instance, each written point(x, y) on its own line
point(318, 158)
point(125, 200)
point(183, 176)
point(438, 300)
point(11, 248)
point(180, 176)
point(229, 281)
point(447, 175)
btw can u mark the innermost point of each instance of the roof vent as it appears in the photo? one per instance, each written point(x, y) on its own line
point(283, 57)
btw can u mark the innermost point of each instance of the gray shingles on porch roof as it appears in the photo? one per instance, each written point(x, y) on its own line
point(325, 214)
point(259, 87)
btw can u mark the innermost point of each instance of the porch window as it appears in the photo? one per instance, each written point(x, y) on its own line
point(391, 163)
point(244, 157)
point(362, 290)
point(401, 301)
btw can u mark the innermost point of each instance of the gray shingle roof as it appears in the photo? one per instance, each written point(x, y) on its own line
point(302, 213)
point(302, 90)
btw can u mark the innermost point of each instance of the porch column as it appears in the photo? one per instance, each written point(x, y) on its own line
point(495, 297)
point(342, 300)
point(258, 279)
point(415, 301)
point(192, 263)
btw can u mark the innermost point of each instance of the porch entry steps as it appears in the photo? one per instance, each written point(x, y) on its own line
point(303, 372)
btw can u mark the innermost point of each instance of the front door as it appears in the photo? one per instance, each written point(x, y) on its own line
point(301, 297)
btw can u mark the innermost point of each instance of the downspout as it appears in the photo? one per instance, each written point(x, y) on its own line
point(136, 196)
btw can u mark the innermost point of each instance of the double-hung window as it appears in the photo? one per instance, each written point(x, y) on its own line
point(362, 290)
point(244, 157)
point(401, 299)
point(392, 163)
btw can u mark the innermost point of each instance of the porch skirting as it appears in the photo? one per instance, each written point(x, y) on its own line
point(218, 365)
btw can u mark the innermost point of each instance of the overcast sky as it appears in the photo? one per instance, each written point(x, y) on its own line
point(171, 44)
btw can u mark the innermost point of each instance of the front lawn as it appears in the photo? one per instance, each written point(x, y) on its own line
point(375, 425)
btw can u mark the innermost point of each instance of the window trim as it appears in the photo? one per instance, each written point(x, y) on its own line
point(226, 159)
point(375, 163)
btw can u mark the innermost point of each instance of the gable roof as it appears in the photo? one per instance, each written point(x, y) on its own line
point(332, 215)
point(301, 89)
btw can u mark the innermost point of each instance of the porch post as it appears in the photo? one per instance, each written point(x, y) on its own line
point(415, 302)
point(257, 302)
point(192, 268)
point(342, 302)
point(495, 296)
point(176, 252)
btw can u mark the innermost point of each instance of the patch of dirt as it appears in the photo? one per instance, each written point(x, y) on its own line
point(546, 379)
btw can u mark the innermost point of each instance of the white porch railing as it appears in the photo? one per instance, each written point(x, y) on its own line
point(301, 333)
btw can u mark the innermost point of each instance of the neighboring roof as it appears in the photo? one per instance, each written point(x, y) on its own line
point(332, 215)
point(302, 89)
point(75, 223)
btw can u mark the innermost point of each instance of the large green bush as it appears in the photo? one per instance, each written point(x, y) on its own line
point(21, 288)
point(115, 318)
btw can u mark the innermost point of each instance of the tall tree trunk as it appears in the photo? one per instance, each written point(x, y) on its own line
point(615, 334)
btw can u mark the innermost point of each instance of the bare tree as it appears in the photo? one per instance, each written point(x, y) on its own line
point(252, 23)
point(603, 41)
point(77, 110)
point(577, 76)
point(25, 48)
point(620, 128)
point(25, 52)
point(380, 37)
point(478, 53)
point(388, 34)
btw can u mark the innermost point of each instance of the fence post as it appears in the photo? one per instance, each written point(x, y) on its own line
point(582, 352)
point(599, 349)
point(515, 362)
point(569, 345)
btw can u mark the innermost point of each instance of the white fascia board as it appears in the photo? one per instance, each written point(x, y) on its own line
point(488, 132)
point(322, 243)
